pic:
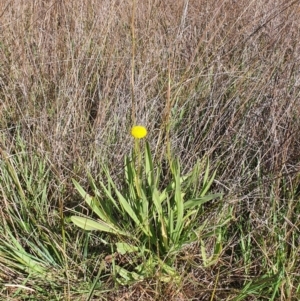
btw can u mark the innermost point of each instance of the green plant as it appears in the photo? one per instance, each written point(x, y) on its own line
point(157, 221)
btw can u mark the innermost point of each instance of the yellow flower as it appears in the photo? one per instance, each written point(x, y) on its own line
point(138, 131)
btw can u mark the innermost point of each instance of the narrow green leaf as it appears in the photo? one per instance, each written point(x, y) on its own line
point(111, 184)
point(158, 212)
point(13, 174)
point(126, 206)
point(31, 264)
point(200, 201)
point(205, 179)
point(18, 252)
point(203, 252)
point(145, 211)
point(149, 169)
point(92, 202)
point(90, 225)
point(156, 198)
point(178, 201)
point(128, 276)
point(130, 211)
point(130, 175)
point(123, 248)
point(207, 182)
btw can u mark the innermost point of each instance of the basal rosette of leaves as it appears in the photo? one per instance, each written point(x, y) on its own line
point(157, 222)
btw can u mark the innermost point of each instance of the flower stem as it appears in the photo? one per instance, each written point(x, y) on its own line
point(138, 158)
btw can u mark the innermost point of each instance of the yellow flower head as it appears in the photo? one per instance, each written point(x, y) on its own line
point(138, 131)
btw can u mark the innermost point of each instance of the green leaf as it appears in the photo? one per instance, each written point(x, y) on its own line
point(149, 169)
point(27, 260)
point(144, 213)
point(92, 202)
point(108, 192)
point(159, 214)
point(127, 207)
point(178, 202)
point(130, 175)
point(123, 248)
point(128, 277)
point(31, 264)
point(130, 211)
point(200, 201)
point(206, 181)
point(89, 224)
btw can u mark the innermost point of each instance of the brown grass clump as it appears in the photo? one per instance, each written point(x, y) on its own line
point(223, 76)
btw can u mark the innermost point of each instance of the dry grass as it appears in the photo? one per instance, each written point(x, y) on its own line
point(225, 74)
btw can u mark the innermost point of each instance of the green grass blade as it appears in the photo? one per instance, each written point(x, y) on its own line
point(27, 260)
point(178, 202)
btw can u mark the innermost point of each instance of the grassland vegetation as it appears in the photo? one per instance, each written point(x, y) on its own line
point(212, 81)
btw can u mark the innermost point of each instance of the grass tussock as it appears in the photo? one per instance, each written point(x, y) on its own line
point(216, 79)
